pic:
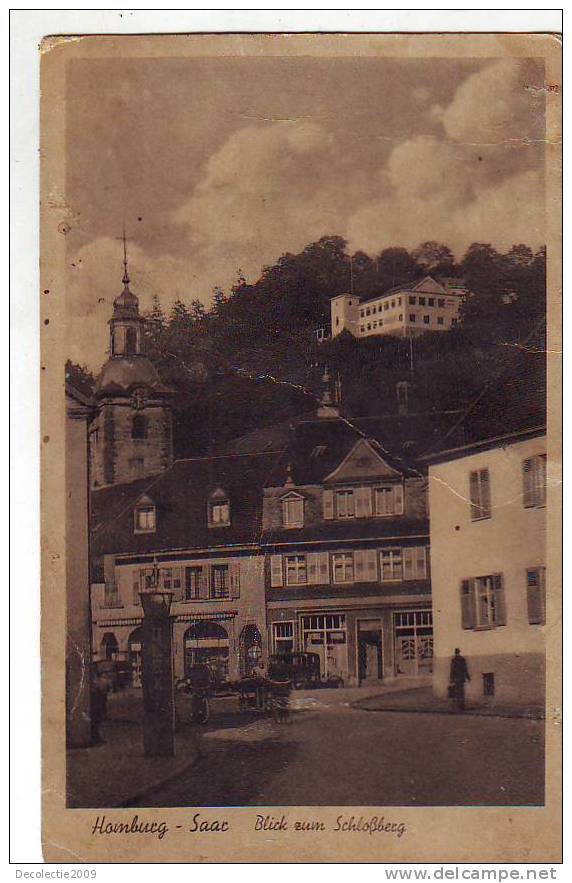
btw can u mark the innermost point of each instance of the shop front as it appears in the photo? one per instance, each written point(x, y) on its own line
point(413, 636)
point(207, 642)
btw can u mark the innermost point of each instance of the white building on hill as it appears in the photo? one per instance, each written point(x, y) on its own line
point(411, 309)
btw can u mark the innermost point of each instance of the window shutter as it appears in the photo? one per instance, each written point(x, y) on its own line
point(370, 560)
point(541, 480)
point(535, 596)
point(323, 568)
point(235, 579)
point(313, 568)
point(204, 584)
point(485, 493)
point(408, 563)
point(468, 608)
point(500, 605)
point(363, 502)
point(398, 499)
point(328, 504)
point(421, 562)
point(528, 483)
point(474, 495)
point(276, 576)
point(136, 587)
point(177, 584)
point(359, 565)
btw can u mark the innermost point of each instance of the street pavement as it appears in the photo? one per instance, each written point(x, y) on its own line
point(335, 754)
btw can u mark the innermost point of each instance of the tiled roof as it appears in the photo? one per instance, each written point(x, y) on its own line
point(181, 496)
point(349, 529)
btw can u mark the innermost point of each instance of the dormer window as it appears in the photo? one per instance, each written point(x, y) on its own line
point(219, 509)
point(145, 517)
point(293, 510)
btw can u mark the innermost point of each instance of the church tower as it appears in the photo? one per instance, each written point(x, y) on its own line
point(131, 436)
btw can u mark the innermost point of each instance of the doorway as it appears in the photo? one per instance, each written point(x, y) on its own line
point(370, 655)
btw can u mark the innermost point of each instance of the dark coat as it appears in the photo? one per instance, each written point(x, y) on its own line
point(459, 670)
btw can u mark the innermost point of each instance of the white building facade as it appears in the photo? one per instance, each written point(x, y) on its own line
point(408, 310)
point(487, 505)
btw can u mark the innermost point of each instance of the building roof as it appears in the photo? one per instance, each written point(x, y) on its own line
point(447, 283)
point(362, 529)
point(122, 373)
point(513, 403)
point(126, 305)
point(181, 496)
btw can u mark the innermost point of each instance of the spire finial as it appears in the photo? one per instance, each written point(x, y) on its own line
point(125, 279)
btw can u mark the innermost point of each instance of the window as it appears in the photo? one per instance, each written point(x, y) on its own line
point(145, 519)
point(343, 567)
point(422, 301)
point(392, 304)
point(219, 581)
point(534, 481)
point(130, 341)
point(362, 328)
point(368, 312)
point(375, 324)
point(194, 584)
point(373, 311)
point(440, 320)
point(454, 321)
point(139, 427)
point(293, 507)
point(283, 637)
point(398, 301)
point(427, 319)
point(296, 570)
point(142, 579)
point(480, 494)
point(441, 302)
point(412, 301)
point(170, 578)
point(362, 313)
point(412, 317)
point(536, 595)
point(391, 565)
point(369, 326)
point(345, 504)
point(386, 306)
point(431, 302)
point(388, 500)
point(400, 319)
point(483, 602)
point(219, 509)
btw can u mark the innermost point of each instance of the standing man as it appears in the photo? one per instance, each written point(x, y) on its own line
point(459, 674)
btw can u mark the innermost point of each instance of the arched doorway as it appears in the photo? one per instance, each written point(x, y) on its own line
point(207, 642)
point(250, 648)
point(135, 645)
point(109, 646)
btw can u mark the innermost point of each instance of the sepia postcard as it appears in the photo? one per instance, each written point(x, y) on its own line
point(301, 447)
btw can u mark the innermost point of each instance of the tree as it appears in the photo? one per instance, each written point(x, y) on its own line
point(80, 377)
point(198, 311)
point(395, 266)
point(434, 258)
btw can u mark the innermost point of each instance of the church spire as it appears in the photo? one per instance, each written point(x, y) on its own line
point(125, 279)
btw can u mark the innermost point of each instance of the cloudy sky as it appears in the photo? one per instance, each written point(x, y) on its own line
point(221, 163)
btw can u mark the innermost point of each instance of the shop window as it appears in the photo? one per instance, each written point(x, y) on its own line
point(343, 567)
point(536, 595)
point(283, 634)
point(534, 481)
point(480, 494)
point(483, 602)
